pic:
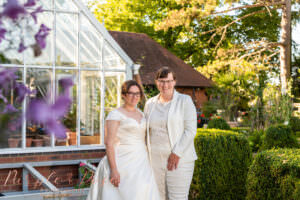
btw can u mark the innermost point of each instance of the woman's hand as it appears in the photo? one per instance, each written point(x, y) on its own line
point(115, 178)
point(173, 161)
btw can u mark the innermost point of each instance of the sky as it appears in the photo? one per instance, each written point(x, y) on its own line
point(296, 33)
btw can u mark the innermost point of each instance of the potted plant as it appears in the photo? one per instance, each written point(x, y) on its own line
point(28, 141)
point(70, 123)
point(36, 135)
point(13, 142)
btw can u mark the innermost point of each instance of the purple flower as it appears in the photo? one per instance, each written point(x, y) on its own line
point(49, 115)
point(22, 91)
point(9, 109)
point(2, 34)
point(30, 3)
point(38, 111)
point(3, 97)
point(40, 37)
point(53, 126)
point(21, 47)
point(13, 9)
point(61, 106)
point(6, 77)
point(34, 13)
point(66, 83)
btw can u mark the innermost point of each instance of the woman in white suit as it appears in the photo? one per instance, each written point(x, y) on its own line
point(171, 128)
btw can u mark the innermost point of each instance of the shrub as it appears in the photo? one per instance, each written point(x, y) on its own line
point(275, 174)
point(279, 136)
point(295, 124)
point(242, 130)
point(255, 140)
point(218, 123)
point(221, 169)
point(209, 108)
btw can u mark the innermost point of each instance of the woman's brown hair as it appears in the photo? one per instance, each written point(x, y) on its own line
point(128, 84)
point(163, 73)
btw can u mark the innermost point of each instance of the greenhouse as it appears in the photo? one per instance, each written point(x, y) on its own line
point(80, 48)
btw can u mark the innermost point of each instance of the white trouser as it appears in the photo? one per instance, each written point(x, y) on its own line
point(172, 185)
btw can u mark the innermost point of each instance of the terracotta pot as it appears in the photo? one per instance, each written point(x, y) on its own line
point(72, 138)
point(38, 142)
point(13, 142)
point(28, 141)
point(61, 142)
point(72, 141)
point(47, 140)
point(71, 135)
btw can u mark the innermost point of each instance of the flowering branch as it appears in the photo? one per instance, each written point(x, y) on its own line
point(19, 29)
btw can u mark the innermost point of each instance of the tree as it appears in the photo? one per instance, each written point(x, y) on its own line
point(196, 10)
point(143, 16)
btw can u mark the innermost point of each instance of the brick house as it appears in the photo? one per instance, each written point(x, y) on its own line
point(152, 56)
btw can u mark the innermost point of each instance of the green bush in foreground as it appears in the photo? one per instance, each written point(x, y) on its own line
point(279, 136)
point(218, 123)
point(275, 175)
point(295, 123)
point(255, 140)
point(243, 130)
point(221, 169)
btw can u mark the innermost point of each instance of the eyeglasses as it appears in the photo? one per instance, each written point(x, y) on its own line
point(165, 81)
point(131, 94)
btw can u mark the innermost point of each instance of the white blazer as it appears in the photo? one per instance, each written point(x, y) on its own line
point(182, 125)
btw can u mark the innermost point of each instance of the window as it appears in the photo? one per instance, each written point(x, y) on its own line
point(80, 48)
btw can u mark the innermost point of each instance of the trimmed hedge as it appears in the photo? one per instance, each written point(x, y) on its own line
point(275, 175)
point(221, 169)
point(243, 130)
point(295, 123)
point(255, 140)
point(279, 136)
point(218, 123)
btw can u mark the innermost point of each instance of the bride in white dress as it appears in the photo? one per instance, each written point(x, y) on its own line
point(125, 172)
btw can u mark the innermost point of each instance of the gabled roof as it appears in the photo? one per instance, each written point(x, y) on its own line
point(151, 56)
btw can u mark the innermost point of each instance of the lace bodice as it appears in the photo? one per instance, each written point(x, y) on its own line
point(130, 130)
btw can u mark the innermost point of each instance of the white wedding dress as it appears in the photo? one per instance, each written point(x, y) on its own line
point(137, 180)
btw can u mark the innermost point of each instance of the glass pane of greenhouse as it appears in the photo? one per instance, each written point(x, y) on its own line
point(10, 125)
point(90, 107)
point(77, 47)
point(41, 81)
point(66, 39)
point(90, 45)
point(111, 60)
point(113, 81)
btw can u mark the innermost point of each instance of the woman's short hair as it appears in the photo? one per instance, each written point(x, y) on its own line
point(163, 73)
point(128, 84)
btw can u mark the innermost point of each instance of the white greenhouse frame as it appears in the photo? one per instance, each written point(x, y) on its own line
point(106, 40)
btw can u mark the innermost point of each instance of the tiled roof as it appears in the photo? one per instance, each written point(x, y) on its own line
point(151, 56)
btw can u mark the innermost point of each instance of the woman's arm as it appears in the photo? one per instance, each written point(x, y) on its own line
point(190, 128)
point(111, 128)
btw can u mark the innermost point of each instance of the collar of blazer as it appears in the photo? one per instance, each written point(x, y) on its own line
point(172, 107)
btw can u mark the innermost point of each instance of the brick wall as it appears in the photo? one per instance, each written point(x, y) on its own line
point(59, 176)
point(198, 95)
